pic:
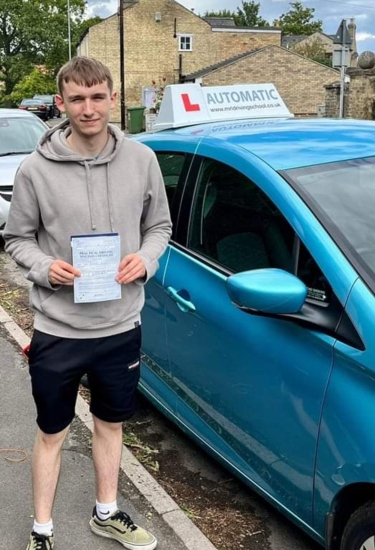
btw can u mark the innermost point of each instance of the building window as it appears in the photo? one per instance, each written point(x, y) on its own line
point(185, 42)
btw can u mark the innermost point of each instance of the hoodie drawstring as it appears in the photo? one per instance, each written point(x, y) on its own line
point(89, 193)
point(110, 202)
point(91, 202)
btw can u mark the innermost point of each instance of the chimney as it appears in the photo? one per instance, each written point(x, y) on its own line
point(352, 27)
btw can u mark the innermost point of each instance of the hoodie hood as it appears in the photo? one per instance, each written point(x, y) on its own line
point(54, 146)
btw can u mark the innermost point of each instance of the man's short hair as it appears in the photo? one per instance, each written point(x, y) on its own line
point(84, 71)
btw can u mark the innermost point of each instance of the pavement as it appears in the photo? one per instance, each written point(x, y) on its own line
point(139, 494)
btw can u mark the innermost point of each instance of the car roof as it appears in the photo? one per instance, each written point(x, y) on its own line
point(14, 113)
point(283, 143)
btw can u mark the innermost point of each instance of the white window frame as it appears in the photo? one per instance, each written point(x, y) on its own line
point(180, 36)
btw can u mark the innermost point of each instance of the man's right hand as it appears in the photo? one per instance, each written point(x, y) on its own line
point(62, 273)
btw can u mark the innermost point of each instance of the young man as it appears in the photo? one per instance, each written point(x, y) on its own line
point(86, 179)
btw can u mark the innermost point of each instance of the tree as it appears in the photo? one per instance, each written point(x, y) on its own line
point(249, 16)
point(246, 16)
point(314, 49)
point(34, 33)
point(37, 82)
point(298, 21)
point(221, 13)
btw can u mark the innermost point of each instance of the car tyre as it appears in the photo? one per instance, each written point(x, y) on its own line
point(359, 533)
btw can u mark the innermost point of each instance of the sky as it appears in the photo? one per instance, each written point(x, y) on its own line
point(331, 12)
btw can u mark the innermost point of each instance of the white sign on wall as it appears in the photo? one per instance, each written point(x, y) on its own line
point(148, 97)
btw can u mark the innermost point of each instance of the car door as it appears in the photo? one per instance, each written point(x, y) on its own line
point(249, 387)
point(156, 368)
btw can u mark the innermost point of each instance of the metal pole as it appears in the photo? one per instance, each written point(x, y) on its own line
point(122, 66)
point(345, 58)
point(342, 70)
point(342, 89)
point(69, 32)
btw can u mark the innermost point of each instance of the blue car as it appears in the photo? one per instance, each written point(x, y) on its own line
point(259, 326)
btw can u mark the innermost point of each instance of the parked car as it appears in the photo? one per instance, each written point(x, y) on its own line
point(35, 106)
point(258, 328)
point(49, 100)
point(19, 134)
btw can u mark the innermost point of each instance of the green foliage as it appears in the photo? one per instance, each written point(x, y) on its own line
point(299, 21)
point(35, 33)
point(314, 49)
point(327, 61)
point(13, 70)
point(220, 13)
point(248, 15)
point(36, 82)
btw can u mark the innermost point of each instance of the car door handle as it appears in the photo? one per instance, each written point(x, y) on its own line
point(182, 304)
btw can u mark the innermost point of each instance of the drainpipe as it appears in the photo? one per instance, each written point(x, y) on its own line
point(122, 66)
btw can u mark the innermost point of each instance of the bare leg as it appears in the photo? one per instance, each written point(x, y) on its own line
point(46, 471)
point(106, 450)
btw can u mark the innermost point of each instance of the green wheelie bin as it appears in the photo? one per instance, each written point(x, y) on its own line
point(135, 119)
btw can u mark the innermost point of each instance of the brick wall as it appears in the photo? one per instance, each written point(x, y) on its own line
point(102, 42)
point(151, 51)
point(358, 98)
point(361, 93)
point(300, 81)
point(332, 101)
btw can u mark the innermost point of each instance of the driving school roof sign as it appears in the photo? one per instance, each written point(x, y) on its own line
point(188, 104)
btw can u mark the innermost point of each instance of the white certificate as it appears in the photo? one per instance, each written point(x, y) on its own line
point(97, 257)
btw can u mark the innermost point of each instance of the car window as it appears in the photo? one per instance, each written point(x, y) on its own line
point(46, 98)
point(31, 102)
point(19, 134)
point(236, 225)
point(342, 196)
point(318, 288)
point(171, 165)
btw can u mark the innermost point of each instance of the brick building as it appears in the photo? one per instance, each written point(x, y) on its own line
point(164, 39)
point(300, 81)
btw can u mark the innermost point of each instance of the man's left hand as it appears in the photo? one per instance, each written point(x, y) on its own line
point(131, 268)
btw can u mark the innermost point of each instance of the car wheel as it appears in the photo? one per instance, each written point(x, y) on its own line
point(359, 533)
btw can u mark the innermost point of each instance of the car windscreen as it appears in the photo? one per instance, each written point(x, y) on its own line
point(19, 134)
point(45, 98)
point(31, 102)
point(342, 196)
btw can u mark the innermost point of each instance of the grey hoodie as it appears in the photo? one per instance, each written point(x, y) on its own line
point(57, 194)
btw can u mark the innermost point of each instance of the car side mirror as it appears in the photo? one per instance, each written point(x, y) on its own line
point(269, 291)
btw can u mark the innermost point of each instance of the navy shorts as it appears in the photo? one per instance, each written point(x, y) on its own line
point(112, 365)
